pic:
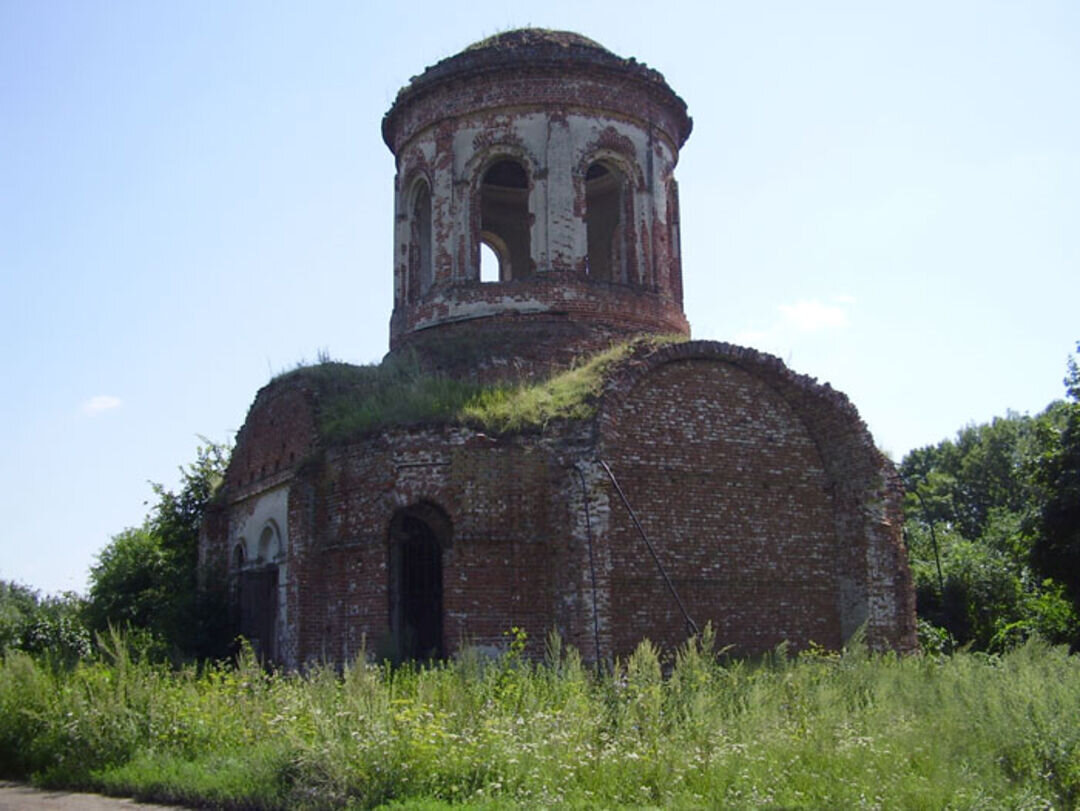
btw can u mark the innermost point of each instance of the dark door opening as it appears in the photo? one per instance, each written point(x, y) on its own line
point(416, 583)
point(258, 590)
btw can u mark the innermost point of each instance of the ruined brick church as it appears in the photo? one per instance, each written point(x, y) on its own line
point(705, 482)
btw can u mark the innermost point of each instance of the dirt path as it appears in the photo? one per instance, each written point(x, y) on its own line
point(19, 796)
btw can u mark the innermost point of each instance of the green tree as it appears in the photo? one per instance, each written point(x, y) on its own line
point(17, 604)
point(1056, 552)
point(50, 627)
point(196, 618)
point(963, 481)
point(130, 584)
point(147, 578)
point(978, 497)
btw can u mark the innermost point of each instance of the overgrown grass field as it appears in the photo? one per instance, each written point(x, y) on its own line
point(854, 730)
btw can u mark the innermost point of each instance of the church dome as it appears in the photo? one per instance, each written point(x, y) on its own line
point(536, 49)
point(525, 38)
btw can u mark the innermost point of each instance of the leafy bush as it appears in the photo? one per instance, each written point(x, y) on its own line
point(50, 627)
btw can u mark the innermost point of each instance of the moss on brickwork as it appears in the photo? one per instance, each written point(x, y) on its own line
point(354, 400)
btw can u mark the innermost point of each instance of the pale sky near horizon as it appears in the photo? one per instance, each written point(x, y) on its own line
point(195, 196)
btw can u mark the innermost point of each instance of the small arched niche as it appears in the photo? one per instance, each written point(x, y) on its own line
point(418, 537)
point(269, 543)
point(239, 554)
point(421, 270)
point(504, 217)
point(605, 202)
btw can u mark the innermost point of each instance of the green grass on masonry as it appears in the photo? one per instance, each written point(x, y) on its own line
point(850, 730)
point(355, 400)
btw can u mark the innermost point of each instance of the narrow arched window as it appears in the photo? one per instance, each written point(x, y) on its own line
point(605, 231)
point(675, 265)
point(421, 272)
point(239, 557)
point(504, 218)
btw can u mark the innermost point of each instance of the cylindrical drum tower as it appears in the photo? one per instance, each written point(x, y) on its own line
point(557, 156)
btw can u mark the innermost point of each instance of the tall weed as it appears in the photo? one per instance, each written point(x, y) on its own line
point(850, 729)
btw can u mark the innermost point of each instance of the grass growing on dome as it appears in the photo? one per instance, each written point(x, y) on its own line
point(354, 400)
point(570, 395)
point(394, 392)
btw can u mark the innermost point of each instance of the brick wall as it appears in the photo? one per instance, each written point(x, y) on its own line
point(279, 432)
point(512, 347)
point(768, 505)
point(497, 568)
point(729, 485)
point(765, 497)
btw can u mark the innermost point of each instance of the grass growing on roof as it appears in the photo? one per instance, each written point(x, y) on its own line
point(569, 395)
point(572, 394)
point(395, 392)
point(357, 399)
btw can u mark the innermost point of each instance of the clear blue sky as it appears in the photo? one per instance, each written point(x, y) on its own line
point(195, 196)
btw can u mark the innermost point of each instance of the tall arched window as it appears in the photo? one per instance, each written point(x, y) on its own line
point(605, 200)
point(421, 272)
point(504, 217)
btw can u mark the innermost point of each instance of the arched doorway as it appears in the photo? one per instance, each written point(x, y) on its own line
point(419, 535)
point(257, 576)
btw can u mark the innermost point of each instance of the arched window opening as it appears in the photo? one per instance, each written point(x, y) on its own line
point(418, 535)
point(605, 259)
point(504, 217)
point(421, 272)
point(239, 556)
point(492, 253)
